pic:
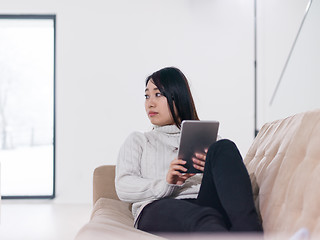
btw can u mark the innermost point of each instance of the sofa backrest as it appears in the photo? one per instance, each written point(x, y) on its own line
point(284, 165)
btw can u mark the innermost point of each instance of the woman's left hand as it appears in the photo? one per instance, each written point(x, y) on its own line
point(199, 160)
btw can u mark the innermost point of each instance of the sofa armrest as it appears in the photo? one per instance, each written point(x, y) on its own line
point(103, 183)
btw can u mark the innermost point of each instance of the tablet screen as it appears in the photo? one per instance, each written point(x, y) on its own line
point(195, 137)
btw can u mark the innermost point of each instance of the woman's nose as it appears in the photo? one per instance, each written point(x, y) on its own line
point(151, 102)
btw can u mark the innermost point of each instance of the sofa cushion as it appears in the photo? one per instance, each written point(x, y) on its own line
point(284, 165)
point(112, 219)
point(114, 209)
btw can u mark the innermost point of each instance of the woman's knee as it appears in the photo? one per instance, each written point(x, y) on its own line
point(223, 143)
point(224, 150)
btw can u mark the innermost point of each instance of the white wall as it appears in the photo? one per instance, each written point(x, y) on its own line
point(105, 50)
point(278, 24)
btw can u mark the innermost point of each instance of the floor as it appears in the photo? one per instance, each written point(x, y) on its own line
point(41, 219)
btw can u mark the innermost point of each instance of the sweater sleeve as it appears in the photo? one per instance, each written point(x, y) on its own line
point(130, 185)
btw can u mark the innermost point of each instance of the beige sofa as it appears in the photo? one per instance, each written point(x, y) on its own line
point(284, 166)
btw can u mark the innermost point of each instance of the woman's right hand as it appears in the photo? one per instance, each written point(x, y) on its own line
point(176, 177)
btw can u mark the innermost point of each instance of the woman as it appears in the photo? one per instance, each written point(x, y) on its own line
point(148, 171)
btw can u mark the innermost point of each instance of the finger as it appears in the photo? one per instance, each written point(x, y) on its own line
point(206, 150)
point(177, 173)
point(201, 156)
point(186, 176)
point(198, 162)
point(198, 167)
point(189, 174)
point(183, 177)
point(178, 162)
point(178, 167)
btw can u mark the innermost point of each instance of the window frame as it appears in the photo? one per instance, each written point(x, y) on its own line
point(53, 18)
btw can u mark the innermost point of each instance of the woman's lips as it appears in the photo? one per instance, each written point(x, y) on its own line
point(151, 114)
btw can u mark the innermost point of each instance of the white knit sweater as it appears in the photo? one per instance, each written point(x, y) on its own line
point(142, 166)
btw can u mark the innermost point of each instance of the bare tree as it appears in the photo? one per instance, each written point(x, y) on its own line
point(3, 120)
point(5, 80)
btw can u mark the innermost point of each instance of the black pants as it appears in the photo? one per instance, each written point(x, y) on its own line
point(224, 203)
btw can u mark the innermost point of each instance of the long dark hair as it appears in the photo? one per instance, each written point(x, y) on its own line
point(173, 84)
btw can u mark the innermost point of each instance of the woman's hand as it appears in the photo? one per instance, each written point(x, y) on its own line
point(200, 160)
point(176, 177)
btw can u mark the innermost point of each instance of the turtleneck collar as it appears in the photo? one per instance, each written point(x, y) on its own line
point(168, 129)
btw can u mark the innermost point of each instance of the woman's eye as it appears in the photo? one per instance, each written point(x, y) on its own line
point(147, 96)
point(159, 94)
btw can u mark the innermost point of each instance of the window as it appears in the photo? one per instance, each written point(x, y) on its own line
point(27, 106)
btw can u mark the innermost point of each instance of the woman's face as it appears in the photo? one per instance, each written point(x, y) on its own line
point(157, 107)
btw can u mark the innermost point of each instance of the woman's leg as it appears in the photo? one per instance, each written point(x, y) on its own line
point(174, 215)
point(226, 186)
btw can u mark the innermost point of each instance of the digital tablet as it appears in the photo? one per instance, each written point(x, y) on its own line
point(195, 137)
